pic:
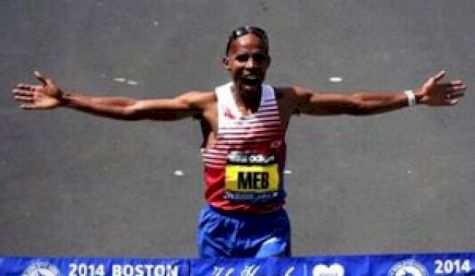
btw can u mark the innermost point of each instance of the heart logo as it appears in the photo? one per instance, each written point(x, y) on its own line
point(332, 270)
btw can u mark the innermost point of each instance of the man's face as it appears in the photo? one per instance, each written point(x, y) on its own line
point(247, 61)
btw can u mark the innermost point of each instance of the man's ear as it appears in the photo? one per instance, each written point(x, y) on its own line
point(269, 59)
point(225, 62)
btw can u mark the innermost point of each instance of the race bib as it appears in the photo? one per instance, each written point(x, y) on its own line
point(251, 177)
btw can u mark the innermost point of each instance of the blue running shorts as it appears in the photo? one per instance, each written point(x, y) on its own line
point(244, 235)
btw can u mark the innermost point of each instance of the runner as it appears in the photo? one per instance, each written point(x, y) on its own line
point(244, 124)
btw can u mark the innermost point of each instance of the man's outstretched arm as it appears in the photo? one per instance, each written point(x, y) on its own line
point(432, 93)
point(48, 95)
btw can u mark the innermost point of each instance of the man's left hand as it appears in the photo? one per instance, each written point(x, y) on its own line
point(436, 93)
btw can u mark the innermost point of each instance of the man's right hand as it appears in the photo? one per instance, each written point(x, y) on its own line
point(47, 95)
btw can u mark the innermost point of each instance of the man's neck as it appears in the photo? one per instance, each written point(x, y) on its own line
point(247, 101)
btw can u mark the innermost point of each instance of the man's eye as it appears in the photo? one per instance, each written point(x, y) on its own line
point(242, 58)
point(259, 57)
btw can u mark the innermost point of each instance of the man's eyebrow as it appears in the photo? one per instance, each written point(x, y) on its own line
point(251, 51)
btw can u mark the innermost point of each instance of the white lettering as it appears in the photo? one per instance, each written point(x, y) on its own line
point(456, 266)
point(149, 269)
point(250, 158)
point(127, 270)
point(289, 271)
point(250, 270)
point(116, 270)
point(217, 271)
point(139, 270)
point(144, 270)
point(220, 271)
point(159, 271)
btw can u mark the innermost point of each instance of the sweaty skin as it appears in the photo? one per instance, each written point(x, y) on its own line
point(247, 62)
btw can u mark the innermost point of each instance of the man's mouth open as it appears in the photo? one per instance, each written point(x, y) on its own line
point(251, 80)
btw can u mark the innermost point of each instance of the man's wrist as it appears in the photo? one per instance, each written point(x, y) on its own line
point(64, 98)
point(419, 95)
point(411, 98)
point(414, 97)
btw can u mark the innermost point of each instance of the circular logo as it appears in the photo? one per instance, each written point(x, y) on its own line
point(408, 268)
point(41, 269)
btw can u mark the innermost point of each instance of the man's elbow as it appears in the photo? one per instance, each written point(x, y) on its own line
point(131, 113)
point(360, 106)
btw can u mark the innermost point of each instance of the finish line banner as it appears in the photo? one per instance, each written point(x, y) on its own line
point(93, 267)
point(387, 265)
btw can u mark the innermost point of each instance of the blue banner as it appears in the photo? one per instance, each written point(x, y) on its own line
point(387, 265)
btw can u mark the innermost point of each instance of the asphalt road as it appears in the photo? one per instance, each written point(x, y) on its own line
point(73, 184)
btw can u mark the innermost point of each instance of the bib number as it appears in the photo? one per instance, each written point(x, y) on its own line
point(251, 178)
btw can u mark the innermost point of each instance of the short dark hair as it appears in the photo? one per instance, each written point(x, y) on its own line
point(244, 30)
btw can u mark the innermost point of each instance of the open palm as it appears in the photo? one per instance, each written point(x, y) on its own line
point(437, 93)
point(47, 95)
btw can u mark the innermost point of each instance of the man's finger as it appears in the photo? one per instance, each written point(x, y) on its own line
point(454, 88)
point(452, 83)
point(21, 92)
point(439, 75)
point(24, 98)
point(454, 102)
point(25, 86)
point(40, 77)
point(456, 95)
point(27, 106)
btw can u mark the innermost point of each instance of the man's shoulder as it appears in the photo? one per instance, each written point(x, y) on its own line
point(293, 92)
point(290, 89)
point(201, 99)
point(204, 93)
point(201, 96)
point(284, 92)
